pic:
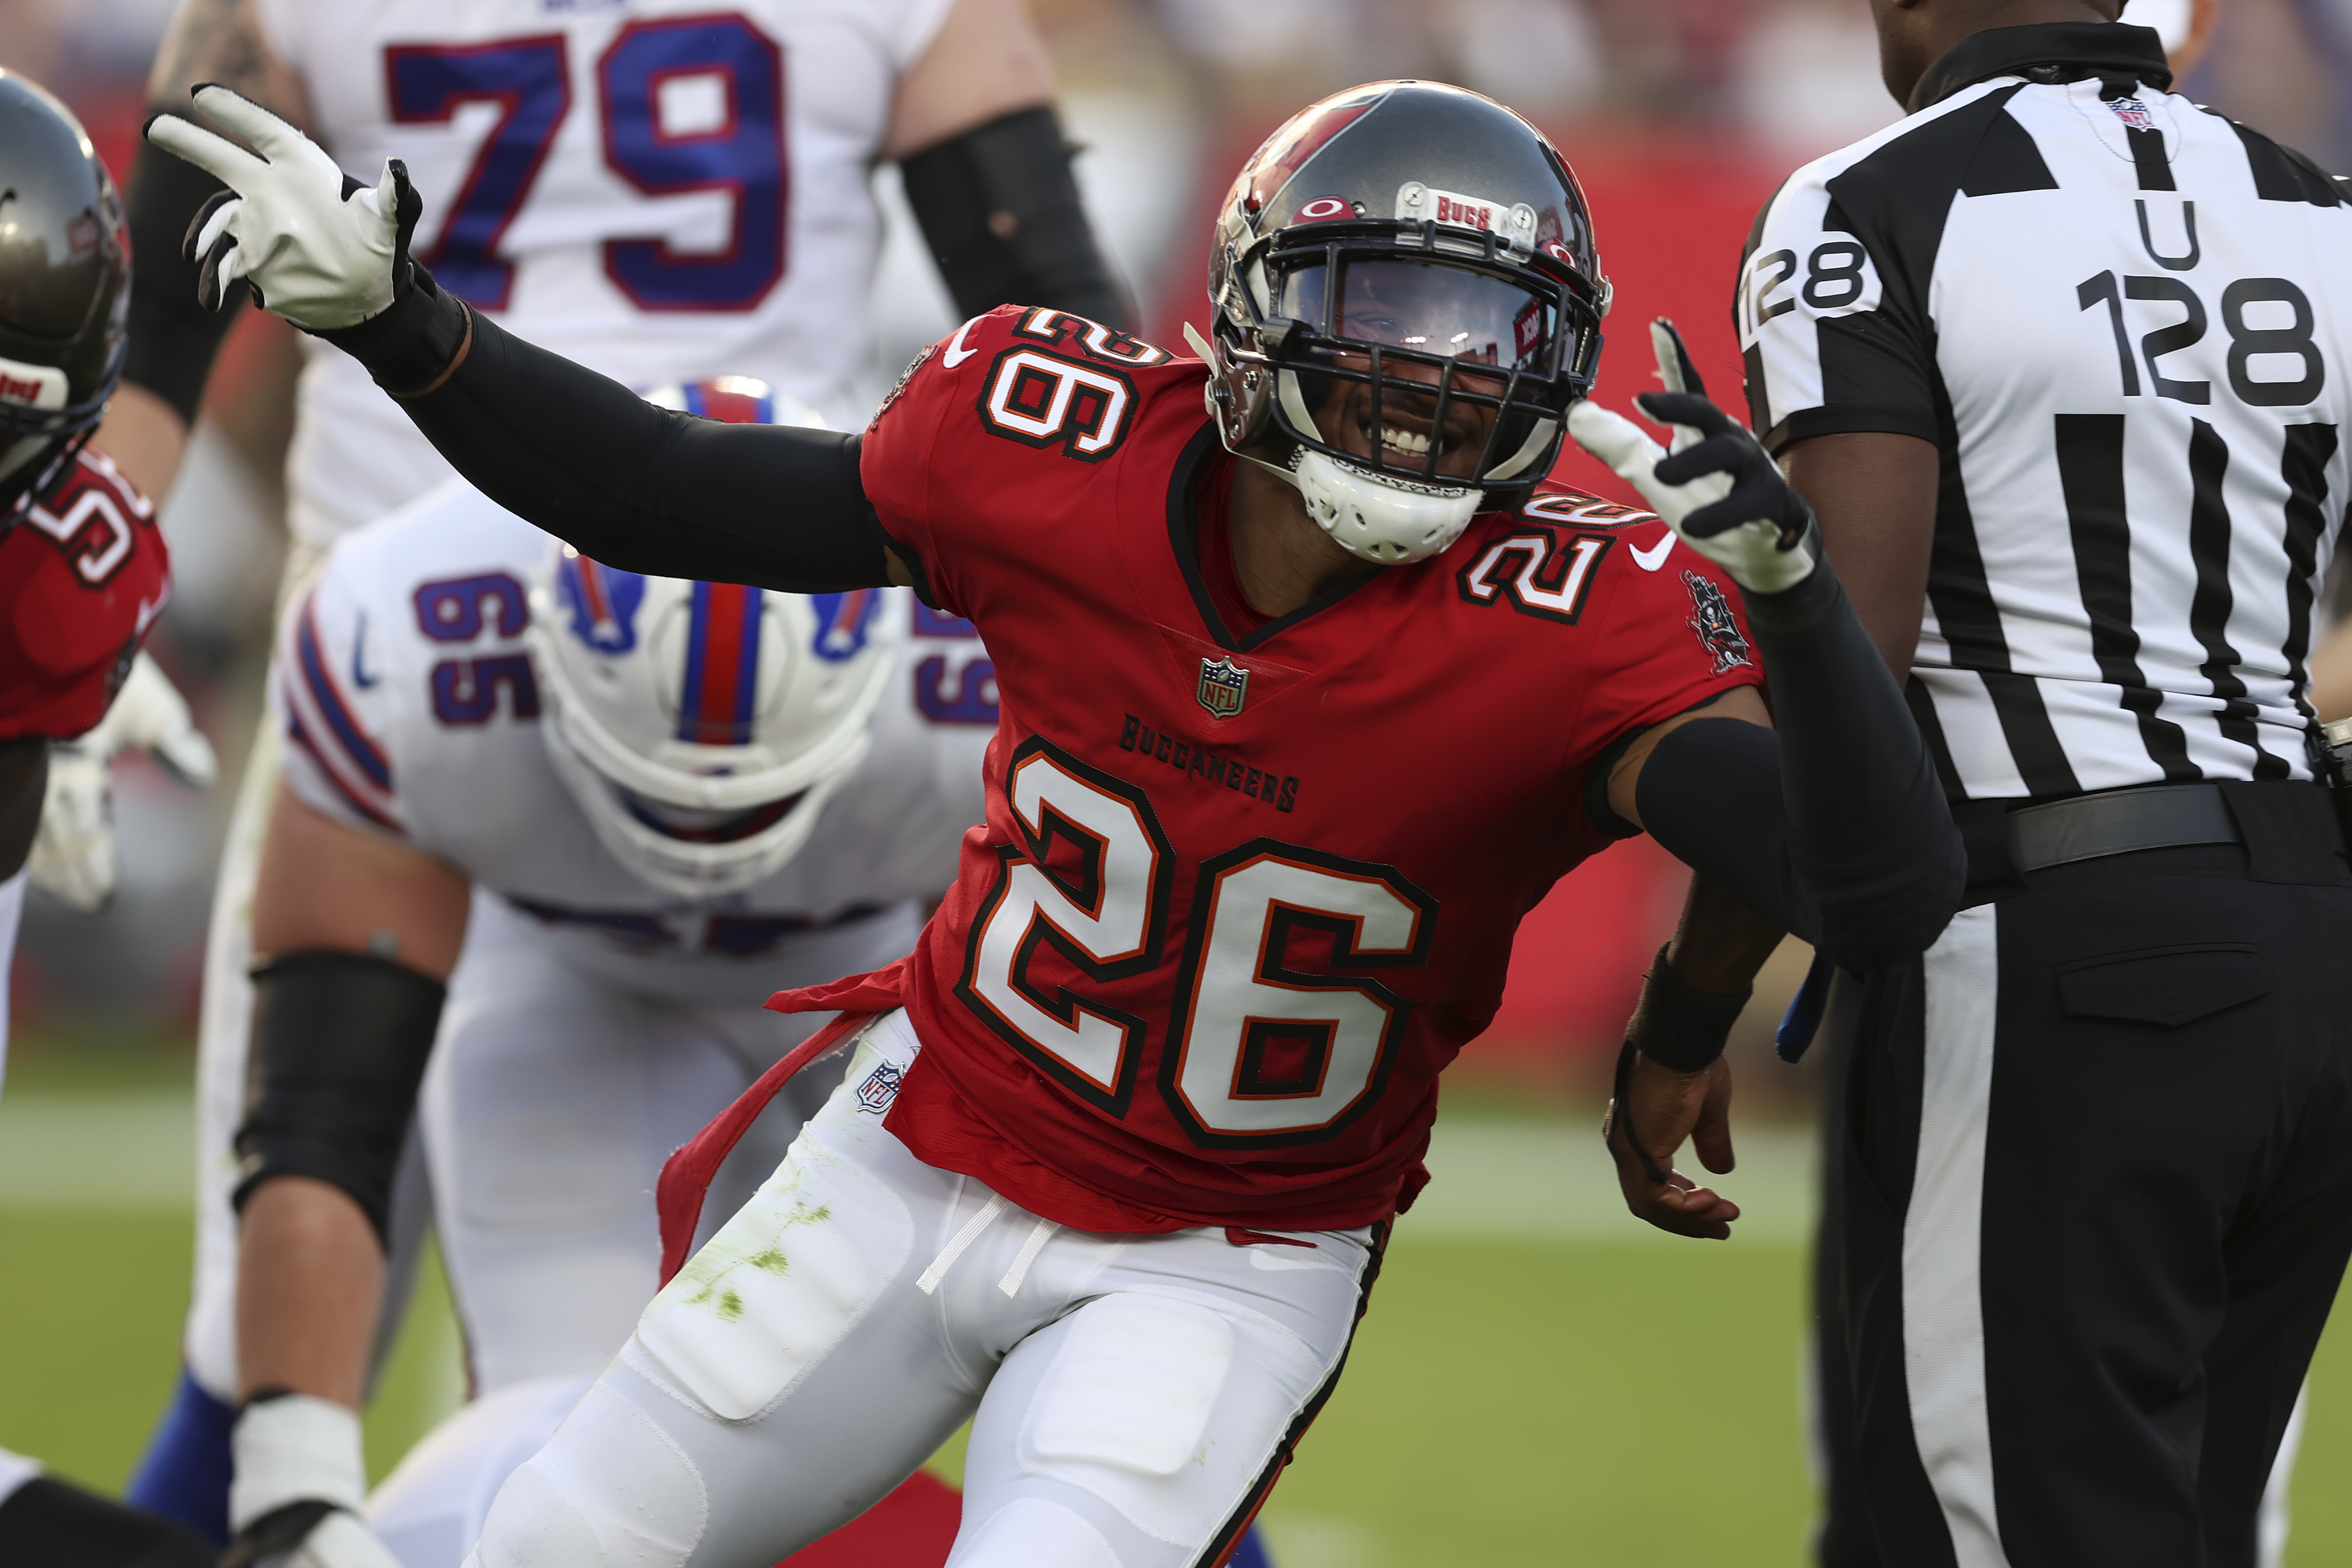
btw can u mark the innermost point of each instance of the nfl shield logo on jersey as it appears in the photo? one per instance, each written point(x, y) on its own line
point(880, 1088)
point(1223, 684)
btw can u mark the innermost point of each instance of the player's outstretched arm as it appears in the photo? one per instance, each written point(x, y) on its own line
point(356, 935)
point(582, 456)
point(1837, 830)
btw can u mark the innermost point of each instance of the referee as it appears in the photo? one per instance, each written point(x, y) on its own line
point(2061, 360)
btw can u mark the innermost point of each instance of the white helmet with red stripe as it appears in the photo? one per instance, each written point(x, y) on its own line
point(703, 726)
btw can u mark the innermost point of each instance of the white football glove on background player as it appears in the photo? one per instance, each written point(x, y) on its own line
point(1719, 489)
point(317, 247)
point(74, 858)
point(300, 1483)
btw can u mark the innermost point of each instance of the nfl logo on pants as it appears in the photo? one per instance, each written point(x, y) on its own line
point(1223, 684)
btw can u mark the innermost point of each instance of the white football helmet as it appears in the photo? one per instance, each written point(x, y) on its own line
point(703, 726)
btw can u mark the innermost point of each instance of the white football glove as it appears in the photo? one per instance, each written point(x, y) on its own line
point(74, 860)
point(318, 247)
point(300, 1483)
point(1719, 489)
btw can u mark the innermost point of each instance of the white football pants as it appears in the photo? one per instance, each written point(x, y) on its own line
point(550, 1104)
point(1133, 1397)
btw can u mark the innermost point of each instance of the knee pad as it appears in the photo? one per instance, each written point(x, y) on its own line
point(779, 1286)
point(1132, 1386)
point(432, 1505)
point(610, 1487)
point(1031, 1532)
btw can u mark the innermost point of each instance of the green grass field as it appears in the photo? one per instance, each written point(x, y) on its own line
point(1591, 1397)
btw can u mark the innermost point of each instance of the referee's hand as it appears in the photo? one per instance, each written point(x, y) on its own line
point(1664, 1108)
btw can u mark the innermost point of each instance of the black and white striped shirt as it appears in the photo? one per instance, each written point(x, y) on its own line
point(2126, 322)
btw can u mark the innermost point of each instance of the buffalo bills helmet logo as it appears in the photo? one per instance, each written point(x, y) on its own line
point(843, 621)
point(1712, 620)
point(601, 604)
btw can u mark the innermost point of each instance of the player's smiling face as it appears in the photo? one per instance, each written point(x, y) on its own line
point(1408, 424)
point(1441, 312)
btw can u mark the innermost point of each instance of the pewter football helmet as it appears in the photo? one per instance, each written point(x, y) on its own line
point(1430, 247)
point(65, 291)
point(703, 726)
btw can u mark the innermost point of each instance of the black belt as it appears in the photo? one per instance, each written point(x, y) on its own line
point(2117, 822)
point(2287, 827)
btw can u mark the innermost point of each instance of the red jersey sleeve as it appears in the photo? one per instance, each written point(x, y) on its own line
point(1672, 634)
point(83, 575)
point(898, 460)
point(1022, 417)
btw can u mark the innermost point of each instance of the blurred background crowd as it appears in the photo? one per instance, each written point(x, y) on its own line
point(1679, 115)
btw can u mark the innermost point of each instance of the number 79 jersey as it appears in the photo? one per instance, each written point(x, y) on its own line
point(1239, 896)
point(663, 191)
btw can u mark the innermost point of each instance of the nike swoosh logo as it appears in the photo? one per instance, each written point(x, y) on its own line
point(1650, 560)
point(361, 677)
point(957, 353)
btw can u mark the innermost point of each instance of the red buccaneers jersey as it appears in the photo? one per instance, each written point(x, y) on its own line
point(83, 575)
point(1238, 899)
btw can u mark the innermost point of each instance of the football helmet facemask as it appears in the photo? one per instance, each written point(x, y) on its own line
point(703, 726)
point(65, 296)
point(1416, 261)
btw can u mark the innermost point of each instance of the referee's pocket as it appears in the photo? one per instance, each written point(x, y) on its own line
point(2165, 986)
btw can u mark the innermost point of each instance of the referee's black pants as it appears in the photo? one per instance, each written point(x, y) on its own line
point(2089, 1196)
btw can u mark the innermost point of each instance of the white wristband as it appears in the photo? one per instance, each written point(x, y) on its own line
point(294, 1447)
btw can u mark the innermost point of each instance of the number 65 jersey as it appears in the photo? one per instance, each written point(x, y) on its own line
point(1241, 895)
point(406, 694)
point(663, 190)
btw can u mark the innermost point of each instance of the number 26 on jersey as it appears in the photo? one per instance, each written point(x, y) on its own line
point(1260, 1051)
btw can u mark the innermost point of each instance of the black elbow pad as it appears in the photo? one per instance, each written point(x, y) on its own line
point(999, 208)
point(338, 1050)
point(173, 339)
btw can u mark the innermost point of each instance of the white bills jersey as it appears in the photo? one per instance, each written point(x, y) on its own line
point(659, 189)
point(409, 706)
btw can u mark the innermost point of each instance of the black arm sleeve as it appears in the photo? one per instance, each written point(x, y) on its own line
point(1835, 825)
point(999, 207)
point(339, 1047)
point(173, 339)
point(636, 486)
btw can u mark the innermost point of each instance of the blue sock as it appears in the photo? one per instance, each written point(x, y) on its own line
point(1251, 1553)
point(184, 1473)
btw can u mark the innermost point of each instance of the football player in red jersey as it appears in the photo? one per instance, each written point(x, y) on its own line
point(1309, 690)
point(83, 574)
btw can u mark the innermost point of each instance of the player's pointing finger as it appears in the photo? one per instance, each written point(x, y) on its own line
point(217, 156)
point(265, 131)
